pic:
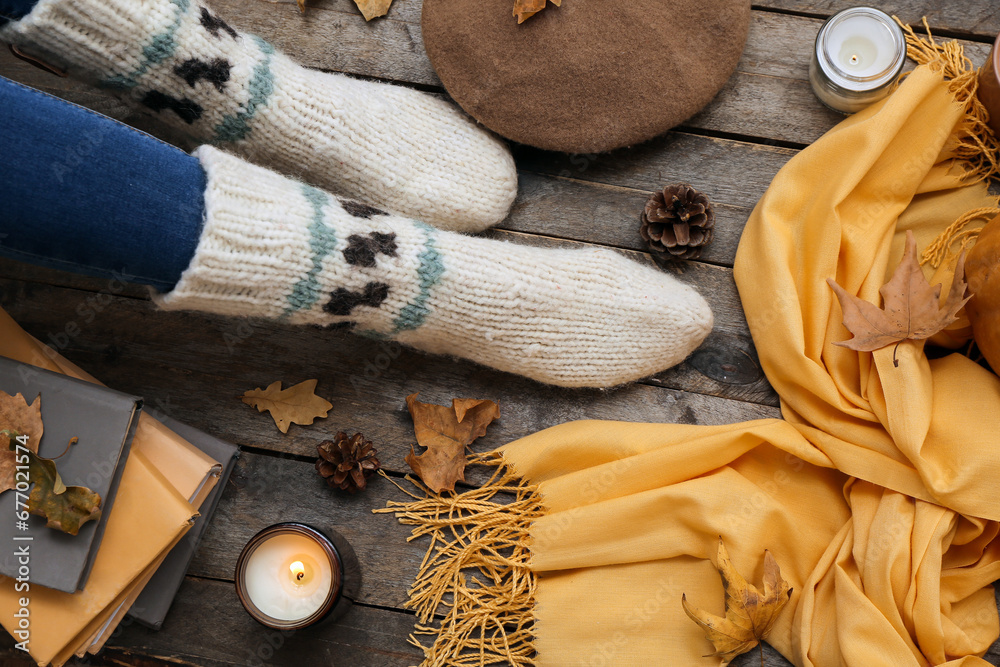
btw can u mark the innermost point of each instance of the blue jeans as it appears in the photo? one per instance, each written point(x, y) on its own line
point(85, 193)
point(15, 9)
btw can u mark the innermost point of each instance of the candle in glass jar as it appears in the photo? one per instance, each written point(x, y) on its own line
point(858, 56)
point(289, 576)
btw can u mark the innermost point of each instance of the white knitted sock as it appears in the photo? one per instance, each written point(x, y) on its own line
point(397, 148)
point(274, 247)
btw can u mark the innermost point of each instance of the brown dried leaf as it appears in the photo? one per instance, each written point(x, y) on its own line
point(525, 9)
point(911, 310)
point(446, 432)
point(372, 8)
point(65, 508)
point(302, 5)
point(19, 417)
point(295, 405)
point(750, 613)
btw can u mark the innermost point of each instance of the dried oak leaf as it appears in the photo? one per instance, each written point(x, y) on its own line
point(19, 417)
point(750, 613)
point(65, 508)
point(446, 432)
point(911, 310)
point(372, 8)
point(296, 405)
point(525, 9)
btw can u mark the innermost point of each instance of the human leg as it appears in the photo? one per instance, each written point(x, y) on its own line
point(390, 146)
point(15, 9)
point(85, 193)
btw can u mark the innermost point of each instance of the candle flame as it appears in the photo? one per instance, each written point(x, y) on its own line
point(297, 569)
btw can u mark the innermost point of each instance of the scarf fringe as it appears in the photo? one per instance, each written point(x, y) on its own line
point(476, 570)
point(977, 150)
point(956, 232)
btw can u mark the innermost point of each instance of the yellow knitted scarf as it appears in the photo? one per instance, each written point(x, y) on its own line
point(877, 492)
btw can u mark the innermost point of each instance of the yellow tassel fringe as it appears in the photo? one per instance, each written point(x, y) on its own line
point(977, 147)
point(475, 576)
point(956, 232)
point(977, 150)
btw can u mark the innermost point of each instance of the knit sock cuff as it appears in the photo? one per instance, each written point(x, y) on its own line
point(245, 261)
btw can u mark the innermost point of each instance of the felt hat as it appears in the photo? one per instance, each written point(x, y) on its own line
point(590, 75)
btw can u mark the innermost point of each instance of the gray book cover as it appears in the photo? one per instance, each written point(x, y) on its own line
point(104, 420)
point(151, 606)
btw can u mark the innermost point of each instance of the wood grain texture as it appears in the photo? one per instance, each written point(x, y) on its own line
point(207, 627)
point(978, 19)
point(194, 366)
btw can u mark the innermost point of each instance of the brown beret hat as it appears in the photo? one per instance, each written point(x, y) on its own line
point(589, 76)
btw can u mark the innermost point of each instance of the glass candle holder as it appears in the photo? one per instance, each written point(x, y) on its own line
point(291, 576)
point(989, 86)
point(858, 57)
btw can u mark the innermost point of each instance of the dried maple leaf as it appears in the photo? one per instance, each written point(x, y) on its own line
point(750, 613)
point(373, 8)
point(65, 508)
point(446, 432)
point(525, 9)
point(911, 310)
point(17, 416)
point(295, 405)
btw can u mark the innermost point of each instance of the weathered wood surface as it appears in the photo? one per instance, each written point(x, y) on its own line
point(975, 19)
point(193, 366)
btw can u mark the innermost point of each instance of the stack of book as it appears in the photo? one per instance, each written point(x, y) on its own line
point(63, 595)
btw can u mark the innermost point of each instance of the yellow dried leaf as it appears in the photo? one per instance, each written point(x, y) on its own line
point(18, 417)
point(373, 8)
point(750, 613)
point(446, 432)
point(911, 309)
point(295, 405)
point(525, 9)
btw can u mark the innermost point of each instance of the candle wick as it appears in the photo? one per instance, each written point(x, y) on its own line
point(299, 576)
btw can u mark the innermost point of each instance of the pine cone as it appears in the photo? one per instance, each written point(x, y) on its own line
point(677, 222)
point(347, 463)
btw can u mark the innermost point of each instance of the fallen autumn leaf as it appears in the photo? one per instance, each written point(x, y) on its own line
point(296, 405)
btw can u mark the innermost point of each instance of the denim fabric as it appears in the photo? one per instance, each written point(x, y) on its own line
point(85, 193)
point(15, 9)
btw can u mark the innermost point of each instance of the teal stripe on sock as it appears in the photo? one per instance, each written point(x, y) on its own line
point(322, 241)
point(413, 314)
point(236, 126)
point(161, 47)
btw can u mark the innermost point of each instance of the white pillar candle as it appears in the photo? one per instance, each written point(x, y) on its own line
point(858, 56)
point(288, 576)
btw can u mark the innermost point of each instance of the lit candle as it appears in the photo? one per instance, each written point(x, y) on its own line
point(858, 57)
point(290, 576)
point(989, 86)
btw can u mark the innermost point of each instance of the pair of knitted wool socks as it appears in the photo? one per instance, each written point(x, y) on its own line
point(276, 247)
point(281, 249)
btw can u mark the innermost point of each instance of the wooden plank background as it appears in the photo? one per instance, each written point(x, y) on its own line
point(193, 366)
